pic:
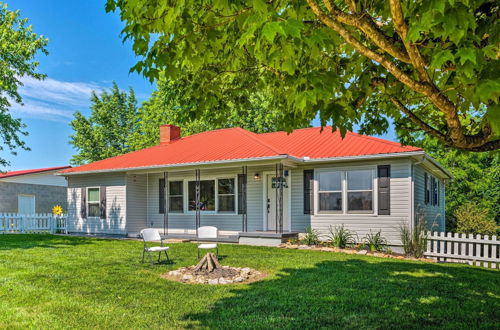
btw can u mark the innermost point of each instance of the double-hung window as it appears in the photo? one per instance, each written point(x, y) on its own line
point(346, 191)
point(207, 195)
point(215, 195)
point(360, 191)
point(176, 196)
point(330, 191)
point(93, 202)
point(226, 195)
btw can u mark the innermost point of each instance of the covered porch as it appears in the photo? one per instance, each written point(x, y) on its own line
point(250, 204)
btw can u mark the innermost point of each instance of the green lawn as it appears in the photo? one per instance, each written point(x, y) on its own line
point(72, 282)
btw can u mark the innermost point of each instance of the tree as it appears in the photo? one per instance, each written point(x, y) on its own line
point(18, 47)
point(105, 133)
point(429, 66)
point(475, 178)
point(169, 105)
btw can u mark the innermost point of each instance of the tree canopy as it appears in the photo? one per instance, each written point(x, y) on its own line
point(105, 133)
point(426, 66)
point(475, 178)
point(116, 125)
point(18, 47)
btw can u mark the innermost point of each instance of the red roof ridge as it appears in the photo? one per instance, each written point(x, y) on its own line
point(32, 171)
point(255, 137)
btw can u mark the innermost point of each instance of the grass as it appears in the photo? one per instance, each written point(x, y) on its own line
point(72, 282)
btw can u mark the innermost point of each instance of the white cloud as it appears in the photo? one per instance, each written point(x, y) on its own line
point(53, 99)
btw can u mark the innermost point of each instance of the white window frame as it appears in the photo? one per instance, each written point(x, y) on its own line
point(169, 195)
point(341, 191)
point(234, 194)
point(88, 202)
point(216, 179)
point(356, 190)
point(345, 212)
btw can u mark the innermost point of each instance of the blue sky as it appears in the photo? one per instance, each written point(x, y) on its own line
point(85, 53)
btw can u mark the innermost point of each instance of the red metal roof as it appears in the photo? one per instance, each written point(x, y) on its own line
point(236, 143)
point(33, 171)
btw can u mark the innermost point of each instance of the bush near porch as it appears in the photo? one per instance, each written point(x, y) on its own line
point(73, 282)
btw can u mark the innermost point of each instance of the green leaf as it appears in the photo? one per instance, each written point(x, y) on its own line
point(466, 54)
point(441, 58)
point(293, 27)
point(493, 116)
point(260, 6)
point(488, 90)
point(271, 29)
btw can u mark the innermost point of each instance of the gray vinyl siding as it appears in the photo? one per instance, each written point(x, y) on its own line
point(361, 224)
point(136, 203)
point(434, 215)
point(115, 222)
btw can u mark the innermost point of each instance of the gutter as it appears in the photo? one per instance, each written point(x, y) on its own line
point(303, 160)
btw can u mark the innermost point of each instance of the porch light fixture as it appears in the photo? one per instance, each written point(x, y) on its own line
point(256, 177)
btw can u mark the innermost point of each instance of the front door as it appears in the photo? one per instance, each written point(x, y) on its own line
point(271, 203)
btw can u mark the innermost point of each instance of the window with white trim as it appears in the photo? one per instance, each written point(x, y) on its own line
point(360, 191)
point(207, 195)
point(226, 197)
point(346, 191)
point(93, 202)
point(330, 191)
point(176, 196)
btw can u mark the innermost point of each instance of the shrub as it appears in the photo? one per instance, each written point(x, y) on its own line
point(375, 241)
point(414, 241)
point(472, 219)
point(341, 237)
point(311, 237)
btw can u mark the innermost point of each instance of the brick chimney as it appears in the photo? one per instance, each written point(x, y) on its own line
point(169, 133)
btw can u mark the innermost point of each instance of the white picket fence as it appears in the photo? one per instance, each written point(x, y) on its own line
point(11, 223)
point(475, 250)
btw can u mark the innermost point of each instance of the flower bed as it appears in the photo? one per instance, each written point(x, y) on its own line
point(351, 251)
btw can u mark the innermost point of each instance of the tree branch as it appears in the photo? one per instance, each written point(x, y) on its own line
point(419, 122)
point(369, 28)
point(440, 101)
point(402, 29)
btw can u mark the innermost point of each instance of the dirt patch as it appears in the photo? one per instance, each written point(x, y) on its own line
point(224, 275)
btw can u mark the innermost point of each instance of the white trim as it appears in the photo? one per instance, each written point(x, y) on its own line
point(304, 160)
point(87, 202)
point(265, 175)
point(159, 167)
point(345, 212)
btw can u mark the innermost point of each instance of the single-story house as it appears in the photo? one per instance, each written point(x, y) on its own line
point(258, 186)
point(32, 191)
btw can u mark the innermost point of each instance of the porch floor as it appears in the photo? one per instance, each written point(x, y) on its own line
point(236, 238)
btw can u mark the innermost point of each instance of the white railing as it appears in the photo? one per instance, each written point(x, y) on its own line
point(475, 250)
point(11, 223)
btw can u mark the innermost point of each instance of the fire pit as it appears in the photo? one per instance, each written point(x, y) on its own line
point(210, 271)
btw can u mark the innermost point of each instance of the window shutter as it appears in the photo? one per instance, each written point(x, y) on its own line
point(384, 189)
point(102, 207)
point(161, 196)
point(308, 191)
point(426, 188)
point(438, 196)
point(242, 201)
point(83, 206)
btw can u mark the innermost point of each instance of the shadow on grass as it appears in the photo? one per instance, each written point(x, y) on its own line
point(29, 241)
point(360, 294)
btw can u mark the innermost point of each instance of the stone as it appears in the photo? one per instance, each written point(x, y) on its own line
point(362, 252)
point(238, 279)
point(327, 249)
point(213, 281)
point(187, 277)
point(229, 281)
point(222, 280)
point(304, 247)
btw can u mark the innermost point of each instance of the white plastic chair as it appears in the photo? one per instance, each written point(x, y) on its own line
point(150, 235)
point(211, 233)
